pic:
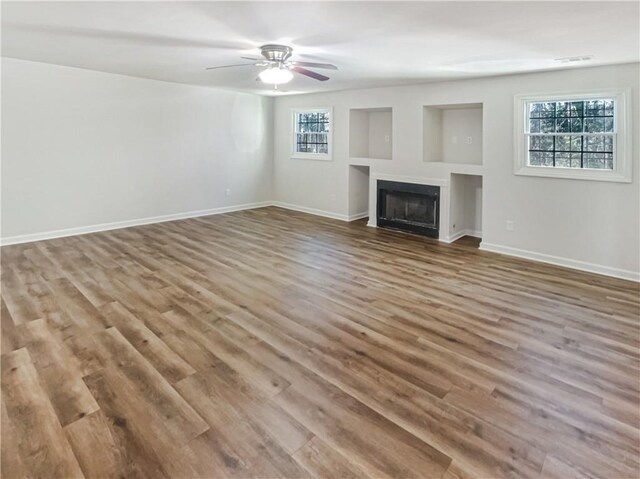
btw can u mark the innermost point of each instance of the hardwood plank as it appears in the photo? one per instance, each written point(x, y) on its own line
point(607, 438)
point(140, 436)
point(240, 388)
point(16, 298)
point(456, 472)
point(98, 451)
point(325, 462)
point(60, 372)
point(158, 397)
point(354, 430)
point(163, 359)
point(77, 306)
point(261, 455)
point(11, 464)
point(37, 434)
point(11, 338)
point(275, 343)
point(204, 334)
point(401, 402)
point(212, 456)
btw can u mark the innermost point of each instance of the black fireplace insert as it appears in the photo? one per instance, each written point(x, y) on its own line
point(409, 207)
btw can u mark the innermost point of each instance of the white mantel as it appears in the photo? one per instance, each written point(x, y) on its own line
point(444, 197)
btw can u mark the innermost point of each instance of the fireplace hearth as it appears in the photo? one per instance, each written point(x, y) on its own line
point(410, 207)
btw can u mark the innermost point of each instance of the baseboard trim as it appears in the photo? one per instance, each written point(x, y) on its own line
point(127, 224)
point(558, 261)
point(46, 235)
point(451, 239)
point(474, 233)
point(311, 211)
point(519, 253)
point(358, 216)
point(447, 239)
point(460, 234)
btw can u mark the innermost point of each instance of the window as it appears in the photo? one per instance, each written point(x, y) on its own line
point(572, 136)
point(312, 134)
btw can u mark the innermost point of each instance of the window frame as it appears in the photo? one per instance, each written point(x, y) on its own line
point(622, 137)
point(296, 155)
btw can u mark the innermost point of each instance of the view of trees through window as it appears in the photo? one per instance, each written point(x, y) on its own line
point(312, 132)
point(572, 134)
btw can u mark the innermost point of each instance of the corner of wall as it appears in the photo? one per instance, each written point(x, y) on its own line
point(271, 134)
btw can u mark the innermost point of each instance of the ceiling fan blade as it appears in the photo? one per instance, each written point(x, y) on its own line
point(328, 66)
point(309, 73)
point(251, 58)
point(234, 65)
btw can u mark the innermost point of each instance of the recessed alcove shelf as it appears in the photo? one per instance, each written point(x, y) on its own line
point(453, 133)
point(371, 133)
point(465, 203)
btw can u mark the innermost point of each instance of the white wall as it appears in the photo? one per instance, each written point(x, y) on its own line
point(358, 191)
point(589, 224)
point(359, 136)
point(370, 134)
point(473, 205)
point(380, 135)
point(83, 148)
point(432, 134)
point(458, 221)
point(457, 126)
point(466, 205)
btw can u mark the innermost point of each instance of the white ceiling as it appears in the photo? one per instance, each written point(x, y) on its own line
point(372, 43)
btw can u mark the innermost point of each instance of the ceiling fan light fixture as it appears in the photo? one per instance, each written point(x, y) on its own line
point(280, 69)
point(275, 76)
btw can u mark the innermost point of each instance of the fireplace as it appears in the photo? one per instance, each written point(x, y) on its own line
point(409, 207)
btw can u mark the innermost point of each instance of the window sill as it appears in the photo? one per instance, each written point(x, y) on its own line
point(300, 156)
point(573, 174)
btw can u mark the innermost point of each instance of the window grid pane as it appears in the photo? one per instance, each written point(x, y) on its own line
point(312, 132)
point(555, 139)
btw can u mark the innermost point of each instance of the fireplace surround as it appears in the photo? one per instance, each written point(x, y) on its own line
point(409, 207)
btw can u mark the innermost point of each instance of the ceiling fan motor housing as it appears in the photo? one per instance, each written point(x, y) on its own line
point(276, 53)
point(280, 68)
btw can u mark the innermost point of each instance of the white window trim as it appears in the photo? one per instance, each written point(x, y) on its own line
point(312, 156)
point(622, 158)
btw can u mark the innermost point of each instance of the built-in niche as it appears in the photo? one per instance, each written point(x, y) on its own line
point(371, 133)
point(465, 206)
point(453, 133)
point(358, 192)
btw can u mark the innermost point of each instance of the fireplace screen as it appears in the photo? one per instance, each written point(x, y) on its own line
point(409, 206)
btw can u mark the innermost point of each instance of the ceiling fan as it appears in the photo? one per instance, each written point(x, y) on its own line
point(279, 68)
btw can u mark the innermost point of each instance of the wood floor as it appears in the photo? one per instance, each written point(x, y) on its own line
point(269, 343)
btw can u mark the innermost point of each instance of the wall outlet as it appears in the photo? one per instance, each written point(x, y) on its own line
point(469, 140)
point(387, 138)
point(510, 226)
point(227, 192)
point(333, 196)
